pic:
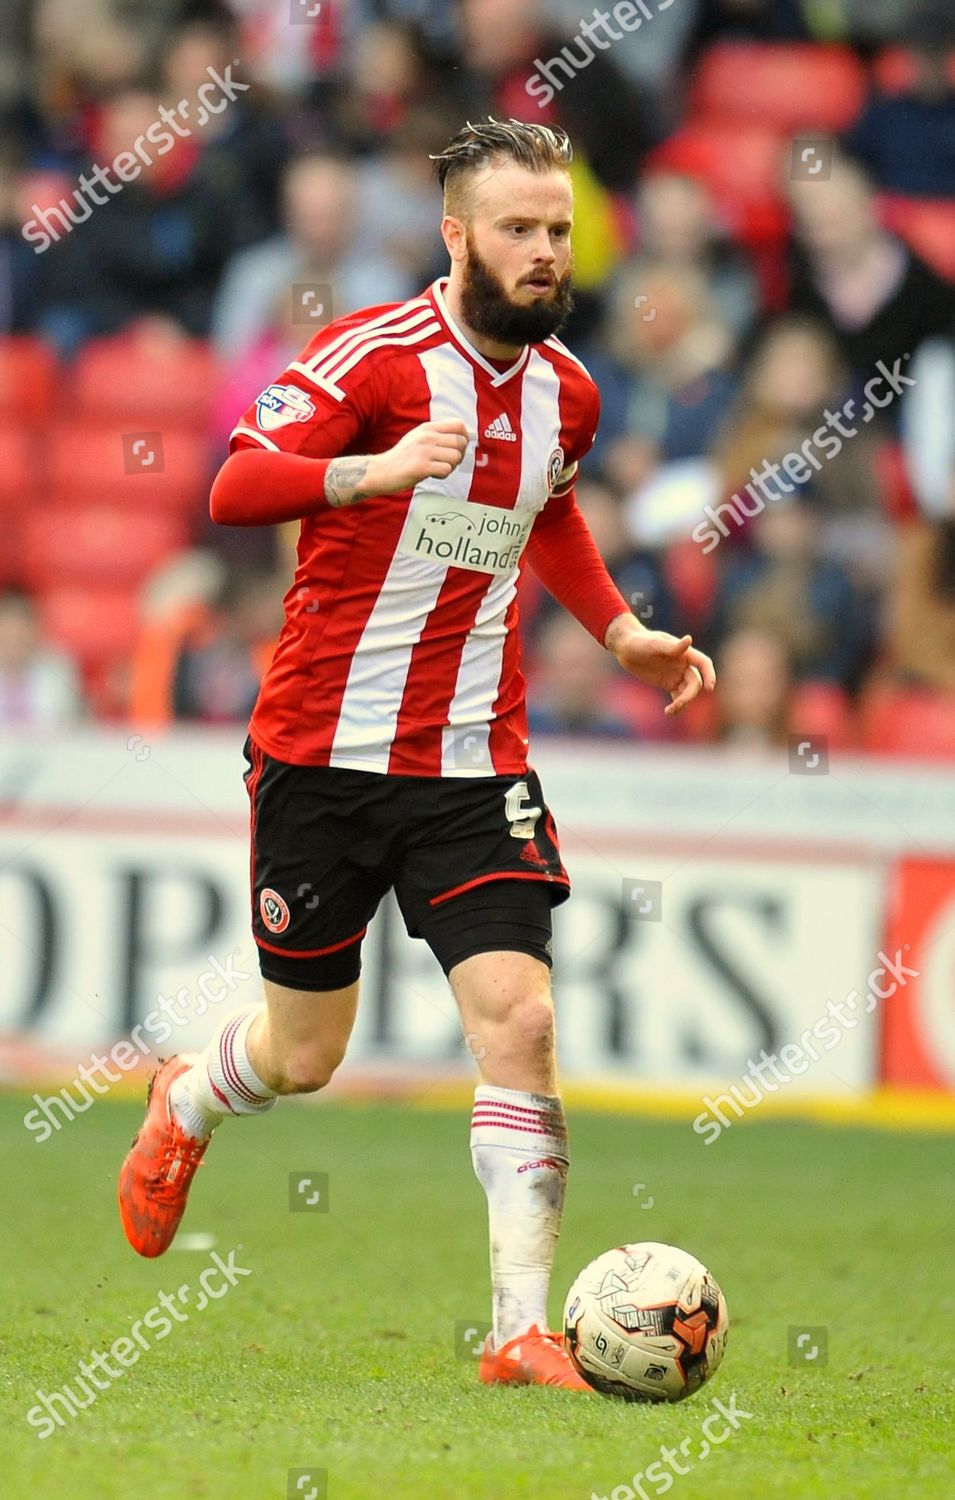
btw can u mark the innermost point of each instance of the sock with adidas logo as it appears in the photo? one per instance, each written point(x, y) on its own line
point(519, 1151)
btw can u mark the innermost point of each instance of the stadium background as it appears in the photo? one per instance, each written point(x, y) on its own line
point(737, 872)
point(765, 212)
point(765, 221)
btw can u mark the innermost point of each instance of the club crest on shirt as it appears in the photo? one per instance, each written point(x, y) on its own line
point(555, 466)
point(281, 404)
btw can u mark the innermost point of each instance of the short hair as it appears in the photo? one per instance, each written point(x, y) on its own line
point(539, 148)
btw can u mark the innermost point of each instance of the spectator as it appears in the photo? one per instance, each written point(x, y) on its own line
point(795, 375)
point(876, 296)
point(787, 589)
point(243, 148)
point(648, 55)
point(155, 248)
point(216, 678)
point(386, 78)
point(666, 374)
point(400, 205)
point(573, 685)
point(906, 142)
point(319, 247)
point(20, 269)
point(928, 426)
point(39, 684)
point(922, 608)
point(677, 225)
point(754, 20)
point(636, 571)
point(754, 690)
point(579, 87)
point(281, 340)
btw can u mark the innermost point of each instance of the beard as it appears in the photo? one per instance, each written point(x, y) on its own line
point(490, 311)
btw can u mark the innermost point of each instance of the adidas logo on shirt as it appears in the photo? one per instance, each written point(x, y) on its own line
point(501, 428)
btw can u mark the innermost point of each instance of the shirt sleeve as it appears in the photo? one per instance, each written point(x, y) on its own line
point(563, 555)
point(581, 441)
point(560, 549)
point(310, 410)
point(280, 449)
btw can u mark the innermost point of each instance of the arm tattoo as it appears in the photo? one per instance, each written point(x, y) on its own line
point(343, 479)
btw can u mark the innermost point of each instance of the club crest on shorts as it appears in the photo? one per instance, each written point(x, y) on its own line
point(555, 467)
point(281, 404)
point(274, 910)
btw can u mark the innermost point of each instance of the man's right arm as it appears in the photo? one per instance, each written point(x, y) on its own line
point(262, 487)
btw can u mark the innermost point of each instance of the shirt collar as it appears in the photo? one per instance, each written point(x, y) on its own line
point(498, 377)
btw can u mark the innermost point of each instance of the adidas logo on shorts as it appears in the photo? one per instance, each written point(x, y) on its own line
point(501, 429)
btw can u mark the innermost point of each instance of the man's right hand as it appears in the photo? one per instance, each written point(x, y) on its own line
point(431, 451)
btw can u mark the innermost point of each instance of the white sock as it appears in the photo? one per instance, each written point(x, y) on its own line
point(221, 1081)
point(519, 1150)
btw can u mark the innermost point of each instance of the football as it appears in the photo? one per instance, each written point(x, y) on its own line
point(646, 1322)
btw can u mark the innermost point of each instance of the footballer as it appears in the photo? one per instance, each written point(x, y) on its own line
point(429, 450)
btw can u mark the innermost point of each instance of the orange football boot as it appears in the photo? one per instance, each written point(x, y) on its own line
point(533, 1358)
point(155, 1177)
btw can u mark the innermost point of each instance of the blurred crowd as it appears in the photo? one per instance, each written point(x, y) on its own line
point(765, 273)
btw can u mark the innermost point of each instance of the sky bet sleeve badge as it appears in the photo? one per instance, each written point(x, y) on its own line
point(281, 404)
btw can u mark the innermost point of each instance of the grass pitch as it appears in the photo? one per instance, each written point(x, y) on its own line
point(344, 1349)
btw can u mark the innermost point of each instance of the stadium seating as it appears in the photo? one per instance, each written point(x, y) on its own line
point(787, 87)
point(145, 381)
point(18, 465)
point(912, 722)
point(742, 165)
point(103, 544)
point(28, 375)
point(165, 469)
point(822, 709)
point(927, 224)
point(95, 624)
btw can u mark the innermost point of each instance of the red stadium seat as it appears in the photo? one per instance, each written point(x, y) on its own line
point(926, 224)
point(912, 722)
point(822, 708)
point(28, 371)
point(641, 707)
point(145, 381)
point(164, 469)
point(20, 476)
point(104, 544)
point(789, 87)
point(742, 165)
point(96, 625)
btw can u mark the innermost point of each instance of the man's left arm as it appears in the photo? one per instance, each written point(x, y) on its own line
point(564, 556)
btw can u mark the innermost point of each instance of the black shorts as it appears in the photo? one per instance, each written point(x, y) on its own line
point(474, 863)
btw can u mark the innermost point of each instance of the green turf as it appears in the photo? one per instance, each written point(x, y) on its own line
point(338, 1351)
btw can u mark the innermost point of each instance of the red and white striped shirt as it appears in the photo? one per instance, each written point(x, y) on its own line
point(400, 652)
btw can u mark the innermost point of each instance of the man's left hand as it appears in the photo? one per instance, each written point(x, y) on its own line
point(665, 661)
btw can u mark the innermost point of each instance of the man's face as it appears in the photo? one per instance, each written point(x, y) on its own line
point(516, 258)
